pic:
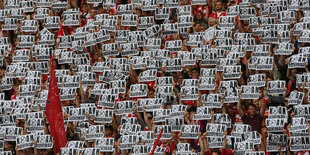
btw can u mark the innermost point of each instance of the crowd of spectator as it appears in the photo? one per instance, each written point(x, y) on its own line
point(215, 77)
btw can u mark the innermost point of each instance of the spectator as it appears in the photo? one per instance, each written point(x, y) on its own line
point(182, 77)
point(218, 11)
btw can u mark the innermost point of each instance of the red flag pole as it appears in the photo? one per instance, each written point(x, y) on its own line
point(156, 141)
point(54, 112)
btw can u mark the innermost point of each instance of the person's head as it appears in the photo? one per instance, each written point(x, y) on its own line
point(197, 26)
point(256, 102)
point(248, 54)
point(63, 67)
point(251, 109)
point(7, 61)
point(9, 145)
point(112, 37)
point(45, 151)
point(2, 71)
point(70, 127)
point(84, 7)
point(216, 152)
point(247, 27)
point(202, 27)
point(183, 2)
point(219, 5)
point(144, 13)
point(108, 130)
point(232, 3)
point(93, 13)
point(54, 31)
point(151, 93)
point(45, 129)
point(164, 141)
point(149, 116)
point(101, 10)
point(191, 111)
point(261, 92)
point(294, 72)
point(171, 20)
point(16, 85)
point(194, 73)
point(175, 36)
point(139, 12)
point(212, 21)
point(100, 59)
point(199, 15)
point(180, 78)
point(175, 15)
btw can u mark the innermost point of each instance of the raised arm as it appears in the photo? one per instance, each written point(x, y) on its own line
point(239, 108)
point(262, 109)
point(201, 137)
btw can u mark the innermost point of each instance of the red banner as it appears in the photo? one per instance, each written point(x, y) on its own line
point(54, 112)
point(156, 141)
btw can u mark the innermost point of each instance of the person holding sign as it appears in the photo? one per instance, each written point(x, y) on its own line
point(253, 116)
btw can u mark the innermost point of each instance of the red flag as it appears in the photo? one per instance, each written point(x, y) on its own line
point(54, 112)
point(60, 31)
point(156, 141)
point(81, 6)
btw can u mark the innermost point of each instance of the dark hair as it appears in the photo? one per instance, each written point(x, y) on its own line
point(251, 104)
point(13, 143)
point(171, 17)
point(150, 113)
point(196, 69)
point(195, 17)
point(200, 12)
point(51, 152)
point(117, 137)
point(246, 23)
point(216, 151)
point(2, 67)
point(109, 127)
point(191, 109)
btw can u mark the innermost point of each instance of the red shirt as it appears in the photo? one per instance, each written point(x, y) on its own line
point(303, 153)
point(297, 153)
point(201, 8)
point(237, 118)
point(255, 122)
point(224, 151)
point(151, 85)
point(84, 23)
point(217, 15)
point(14, 97)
